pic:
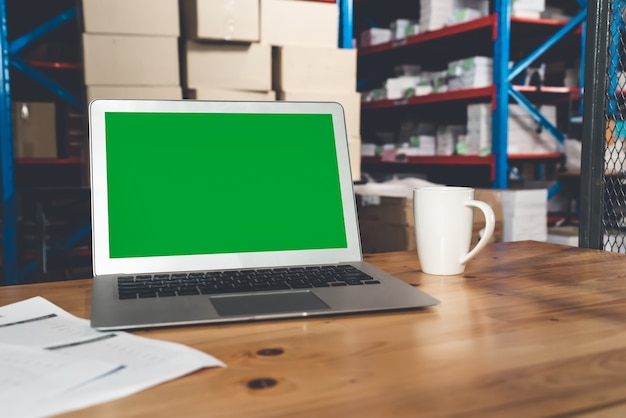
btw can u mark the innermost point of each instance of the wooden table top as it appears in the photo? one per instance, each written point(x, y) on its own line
point(531, 329)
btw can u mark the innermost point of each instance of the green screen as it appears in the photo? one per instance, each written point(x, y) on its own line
point(206, 183)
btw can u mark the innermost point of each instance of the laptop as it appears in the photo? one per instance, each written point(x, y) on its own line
point(216, 211)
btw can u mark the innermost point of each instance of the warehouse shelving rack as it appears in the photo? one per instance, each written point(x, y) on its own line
point(497, 28)
point(10, 57)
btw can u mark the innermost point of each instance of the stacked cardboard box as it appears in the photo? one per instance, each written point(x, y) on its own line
point(223, 58)
point(126, 54)
point(308, 65)
point(521, 214)
point(387, 225)
point(524, 134)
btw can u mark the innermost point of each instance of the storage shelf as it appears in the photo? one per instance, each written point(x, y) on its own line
point(55, 65)
point(459, 160)
point(506, 39)
point(48, 161)
point(482, 27)
point(469, 95)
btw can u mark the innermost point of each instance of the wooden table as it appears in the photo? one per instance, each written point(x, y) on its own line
point(532, 329)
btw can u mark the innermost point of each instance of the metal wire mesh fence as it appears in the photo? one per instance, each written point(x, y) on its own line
point(614, 180)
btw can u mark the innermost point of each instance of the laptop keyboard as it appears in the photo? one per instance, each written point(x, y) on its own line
point(233, 281)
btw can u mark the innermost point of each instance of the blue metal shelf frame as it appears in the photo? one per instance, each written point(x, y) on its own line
point(503, 78)
point(9, 205)
point(616, 27)
point(345, 23)
point(10, 57)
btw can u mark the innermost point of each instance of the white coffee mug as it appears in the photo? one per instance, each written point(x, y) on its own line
point(443, 227)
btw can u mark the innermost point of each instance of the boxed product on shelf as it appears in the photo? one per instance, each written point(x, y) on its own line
point(448, 137)
point(374, 36)
point(224, 20)
point(369, 149)
point(525, 214)
point(527, 8)
point(524, 135)
point(310, 68)
point(214, 93)
point(299, 22)
point(130, 60)
point(396, 87)
point(464, 15)
point(482, 6)
point(407, 69)
point(470, 72)
point(137, 17)
point(34, 130)
point(434, 14)
point(349, 100)
point(401, 28)
point(411, 127)
point(133, 92)
point(420, 145)
point(228, 65)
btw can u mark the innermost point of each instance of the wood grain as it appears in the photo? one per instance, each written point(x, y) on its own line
point(531, 329)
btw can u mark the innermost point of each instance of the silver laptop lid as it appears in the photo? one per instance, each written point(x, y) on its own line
point(200, 185)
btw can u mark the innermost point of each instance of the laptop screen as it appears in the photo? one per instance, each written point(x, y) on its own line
point(195, 185)
point(210, 183)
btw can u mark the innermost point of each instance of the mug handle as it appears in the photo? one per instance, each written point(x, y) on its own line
point(490, 224)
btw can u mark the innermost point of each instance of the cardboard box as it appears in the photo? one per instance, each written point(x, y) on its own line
point(210, 93)
point(354, 149)
point(493, 197)
point(301, 68)
point(136, 17)
point(520, 214)
point(134, 92)
point(387, 224)
point(225, 20)
point(298, 22)
point(350, 101)
point(377, 238)
point(133, 60)
point(34, 130)
point(228, 66)
point(389, 210)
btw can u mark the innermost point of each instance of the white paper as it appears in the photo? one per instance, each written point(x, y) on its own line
point(32, 375)
point(38, 324)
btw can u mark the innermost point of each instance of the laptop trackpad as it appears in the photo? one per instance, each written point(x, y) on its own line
point(268, 303)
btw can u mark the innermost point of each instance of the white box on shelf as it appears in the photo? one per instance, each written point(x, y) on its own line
point(396, 87)
point(523, 137)
point(375, 36)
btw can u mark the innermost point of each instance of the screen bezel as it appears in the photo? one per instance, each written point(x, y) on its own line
point(104, 264)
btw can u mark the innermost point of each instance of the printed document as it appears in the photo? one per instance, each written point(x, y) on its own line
point(53, 362)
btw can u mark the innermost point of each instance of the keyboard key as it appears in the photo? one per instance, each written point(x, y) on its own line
point(215, 282)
